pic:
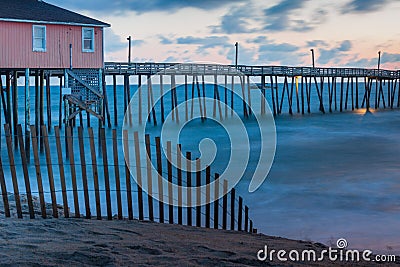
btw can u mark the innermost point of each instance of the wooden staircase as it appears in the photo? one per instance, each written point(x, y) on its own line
point(86, 93)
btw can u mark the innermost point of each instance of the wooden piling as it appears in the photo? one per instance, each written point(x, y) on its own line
point(127, 174)
point(246, 219)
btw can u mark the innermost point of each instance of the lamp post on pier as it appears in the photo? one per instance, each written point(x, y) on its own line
point(129, 49)
point(313, 58)
point(379, 60)
point(236, 54)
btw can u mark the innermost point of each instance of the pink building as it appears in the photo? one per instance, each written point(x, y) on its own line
point(38, 35)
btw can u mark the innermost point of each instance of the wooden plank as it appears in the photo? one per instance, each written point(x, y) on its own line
point(160, 183)
point(95, 173)
point(106, 173)
point(128, 174)
point(62, 173)
point(84, 172)
point(115, 100)
point(138, 175)
point(170, 193)
point(216, 202)
point(149, 178)
point(50, 171)
point(117, 175)
point(38, 171)
point(4, 192)
point(73, 171)
point(25, 171)
point(189, 188)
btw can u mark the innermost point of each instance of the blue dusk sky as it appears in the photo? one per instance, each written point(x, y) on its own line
point(343, 33)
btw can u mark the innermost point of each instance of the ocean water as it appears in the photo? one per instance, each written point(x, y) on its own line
point(334, 175)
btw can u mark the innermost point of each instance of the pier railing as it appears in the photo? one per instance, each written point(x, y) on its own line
point(215, 69)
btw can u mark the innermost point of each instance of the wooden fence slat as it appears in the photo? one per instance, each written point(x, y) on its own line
point(189, 187)
point(117, 175)
point(240, 214)
point(216, 202)
point(208, 197)
point(50, 171)
point(12, 169)
point(62, 172)
point(179, 174)
point(128, 174)
point(225, 206)
point(233, 209)
point(198, 193)
point(25, 171)
point(246, 219)
point(73, 171)
point(106, 173)
point(4, 191)
point(170, 194)
point(251, 226)
point(38, 171)
point(160, 183)
point(84, 172)
point(95, 173)
point(149, 178)
point(138, 175)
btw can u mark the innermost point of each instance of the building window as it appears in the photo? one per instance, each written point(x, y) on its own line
point(87, 39)
point(39, 38)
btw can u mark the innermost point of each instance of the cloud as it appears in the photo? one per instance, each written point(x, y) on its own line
point(165, 40)
point(334, 54)
point(390, 58)
point(282, 53)
point(317, 43)
point(280, 17)
point(365, 6)
point(206, 42)
point(114, 42)
point(139, 6)
point(237, 20)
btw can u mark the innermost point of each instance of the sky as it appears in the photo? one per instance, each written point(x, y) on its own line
point(343, 33)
